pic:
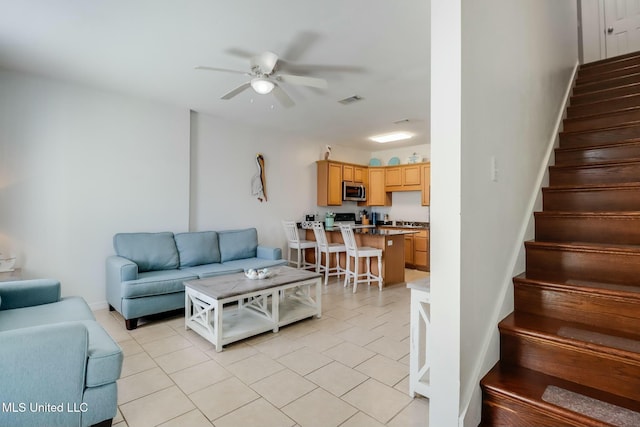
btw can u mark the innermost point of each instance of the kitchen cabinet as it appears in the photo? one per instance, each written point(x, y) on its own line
point(353, 173)
point(426, 184)
point(408, 249)
point(404, 178)
point(393, 177)
point(376, 194)
point(329, 183)
point(416, 249)
point(421, 250)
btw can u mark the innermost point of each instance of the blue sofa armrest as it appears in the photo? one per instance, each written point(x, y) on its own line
point(27, 293)
point(267, 252)
point(120, 269)
point(43, 365)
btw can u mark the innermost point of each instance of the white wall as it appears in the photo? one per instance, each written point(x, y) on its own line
point(422, 150)
point(79, 165)
point(445, 239)
point(223, 164)
point(512, 96)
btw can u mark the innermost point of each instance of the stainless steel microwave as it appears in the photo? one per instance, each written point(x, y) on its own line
point(354, 191)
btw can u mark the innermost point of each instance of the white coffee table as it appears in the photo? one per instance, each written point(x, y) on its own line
point(288, 296)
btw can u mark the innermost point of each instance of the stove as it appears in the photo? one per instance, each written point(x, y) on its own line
point(345, 218)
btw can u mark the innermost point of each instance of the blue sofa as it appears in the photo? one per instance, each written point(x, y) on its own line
point(58, 366)
point(146, 275)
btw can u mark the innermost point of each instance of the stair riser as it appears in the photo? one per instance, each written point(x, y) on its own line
point(583, 79)
point(603, 95)
point(574, 111)
point(586, 367)
point(611, 267)
point(617, 230)
point(622, 199)
point(500, 410)
point(600, 122)
point(604, 311)
point(609, 65)
point(610, 174)
point(597, 154)
point(603, 136)
point(606, 84)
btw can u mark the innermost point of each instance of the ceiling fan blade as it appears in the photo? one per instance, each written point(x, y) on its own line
point(240, 53)
point(226, 70)
point(303, 81)
point(266, 61)
point(282, 97)
point(236, 91)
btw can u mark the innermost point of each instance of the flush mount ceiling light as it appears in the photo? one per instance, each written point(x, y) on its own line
point(262, 86)
point(390, 137)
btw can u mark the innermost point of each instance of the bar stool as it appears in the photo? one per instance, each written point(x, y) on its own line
point(327, 249)
point(355, 252)
point(297, 244)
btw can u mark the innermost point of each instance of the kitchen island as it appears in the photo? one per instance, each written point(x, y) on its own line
point(390, 241)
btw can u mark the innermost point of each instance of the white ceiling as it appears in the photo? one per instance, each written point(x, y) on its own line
point(377, 49)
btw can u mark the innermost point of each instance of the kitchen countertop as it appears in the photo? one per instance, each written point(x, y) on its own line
point(374, 231)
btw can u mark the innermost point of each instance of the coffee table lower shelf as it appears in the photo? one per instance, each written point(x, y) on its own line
point(221, 322)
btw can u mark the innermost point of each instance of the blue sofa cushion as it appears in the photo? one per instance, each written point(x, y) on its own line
point(66, 310)
point(245, 264)
point(209, 270)
point(198, 248)
point(150, 251)
point(156, 283)
point(238, 244)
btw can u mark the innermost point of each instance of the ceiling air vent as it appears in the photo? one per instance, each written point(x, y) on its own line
point(350, 100)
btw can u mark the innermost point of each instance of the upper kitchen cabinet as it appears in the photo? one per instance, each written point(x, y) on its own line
point(354, 173)
point(329, 183)
point(376, 193)
point(404, 178)
point(426, 184)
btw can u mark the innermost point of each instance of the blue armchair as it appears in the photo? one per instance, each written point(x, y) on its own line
point(58, 366)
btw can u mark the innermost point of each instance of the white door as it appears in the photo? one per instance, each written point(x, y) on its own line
point(622, 26)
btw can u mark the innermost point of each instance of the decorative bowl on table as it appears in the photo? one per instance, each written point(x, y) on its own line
point(6, 264)
point(258, 273)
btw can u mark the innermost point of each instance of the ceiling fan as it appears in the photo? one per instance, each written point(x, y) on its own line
point(265, 78)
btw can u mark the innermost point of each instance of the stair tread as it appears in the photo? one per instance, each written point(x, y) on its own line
point(576, 97)
point(586, 131)
point(602, 114)
point(614, 103)
point(600, 163)
point(587, 246)
point(605, 341)
point(613, 79)
point(635, 141)
point(623, 59)
point(584, 286)
point(624, 71)
point(607, 186)
point(604, 214)
point(529, 386)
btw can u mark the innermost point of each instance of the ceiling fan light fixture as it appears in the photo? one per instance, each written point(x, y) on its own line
point(390, 137)
point(262, 86)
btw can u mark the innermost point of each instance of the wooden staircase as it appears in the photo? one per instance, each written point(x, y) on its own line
point(570, 351)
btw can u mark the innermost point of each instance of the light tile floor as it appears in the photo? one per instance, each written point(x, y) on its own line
point(350, 368)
